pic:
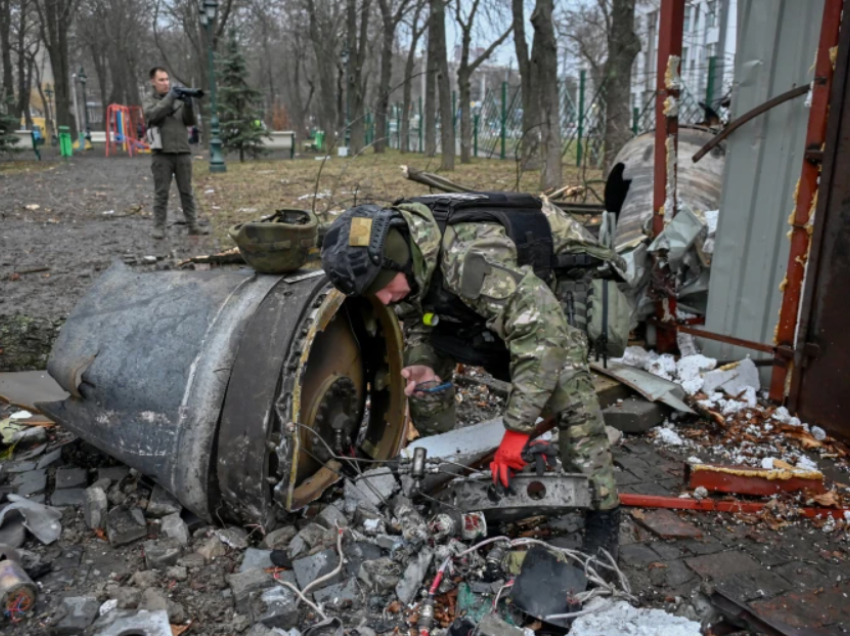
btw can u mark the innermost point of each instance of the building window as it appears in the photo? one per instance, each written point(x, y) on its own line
point(711, 13)
point(688, 10)
point(711, 50)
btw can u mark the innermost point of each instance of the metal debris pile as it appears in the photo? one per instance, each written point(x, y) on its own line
point(738, 432)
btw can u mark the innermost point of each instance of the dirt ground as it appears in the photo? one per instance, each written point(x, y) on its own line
point(63, 222)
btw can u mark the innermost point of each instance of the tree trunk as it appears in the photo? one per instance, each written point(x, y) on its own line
point(24, 78)
point(447, 133)
point(56, 17)
point(623, 47)
point(357, 40)
point(464, 86)
point(530, 141)
point(383, 102)
point(407, 92)
point(326, 69)
point(431, 92)
point(7, 88)
point(545, 61)
point(25, 83)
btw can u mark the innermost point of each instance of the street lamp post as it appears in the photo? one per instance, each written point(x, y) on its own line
point(82, 77)
point(208, 11)
point(48, 109)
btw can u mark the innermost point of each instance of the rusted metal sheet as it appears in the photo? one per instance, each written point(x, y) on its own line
point(820, 388)
point(744, 480)
point(807, 193)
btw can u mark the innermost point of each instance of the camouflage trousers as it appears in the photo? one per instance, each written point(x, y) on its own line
point(582, 440)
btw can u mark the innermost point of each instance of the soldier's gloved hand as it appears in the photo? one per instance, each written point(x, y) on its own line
point(174, 92)
point(508, 459)
point(541, 453)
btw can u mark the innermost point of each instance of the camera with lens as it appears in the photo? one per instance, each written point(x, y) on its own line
point(187, 93)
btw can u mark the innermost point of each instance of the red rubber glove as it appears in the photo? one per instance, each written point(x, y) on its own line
point(508, 458)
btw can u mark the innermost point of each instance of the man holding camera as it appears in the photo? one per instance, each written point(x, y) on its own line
point(168, 111)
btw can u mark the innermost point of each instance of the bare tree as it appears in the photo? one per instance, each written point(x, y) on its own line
point(603, 35)
point(55, 18)
point(529, 144)
point(324, 18)
point(357, 44)
point(26, 48)
point(466, 68)
point(431, 70)
point(416, 31)
point(545, 68)
point(7, 87)
point(440, 66)
point(392, 13)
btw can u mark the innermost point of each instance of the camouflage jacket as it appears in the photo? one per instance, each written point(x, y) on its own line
point(516, 305)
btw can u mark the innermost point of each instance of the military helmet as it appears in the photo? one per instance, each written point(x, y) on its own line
point(277, 244)
point(364, 248)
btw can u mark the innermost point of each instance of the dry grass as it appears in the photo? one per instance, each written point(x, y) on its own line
point(255, 188)
point(22, 166)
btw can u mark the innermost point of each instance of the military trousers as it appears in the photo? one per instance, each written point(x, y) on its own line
point(164, 166)
point(582, 440)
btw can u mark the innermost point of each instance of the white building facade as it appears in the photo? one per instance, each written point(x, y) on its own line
point(708, 51)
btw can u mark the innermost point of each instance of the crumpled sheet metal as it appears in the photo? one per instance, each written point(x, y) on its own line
point(649, 386)
point(41, 520)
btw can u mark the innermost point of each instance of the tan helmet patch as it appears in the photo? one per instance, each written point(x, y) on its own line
point(361, 232)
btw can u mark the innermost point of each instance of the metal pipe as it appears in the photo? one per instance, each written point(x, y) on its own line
point(738, 342)
point(750, 114)
point(667, 133)
point(806, 194)
point(712, 505)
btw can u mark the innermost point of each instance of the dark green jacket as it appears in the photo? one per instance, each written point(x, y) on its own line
point(172, 116)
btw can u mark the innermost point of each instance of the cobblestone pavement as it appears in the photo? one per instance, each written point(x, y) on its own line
point(798, 576)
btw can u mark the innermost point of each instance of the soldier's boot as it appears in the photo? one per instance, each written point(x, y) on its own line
point(602, 530)
point(159, 229)
point(197, 230)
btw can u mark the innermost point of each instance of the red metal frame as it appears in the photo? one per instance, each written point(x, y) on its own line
point(806, 193)
point(670, 31)
point(710, 505)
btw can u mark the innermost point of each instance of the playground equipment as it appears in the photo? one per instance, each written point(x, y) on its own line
point(122, 123)
point(65, 141)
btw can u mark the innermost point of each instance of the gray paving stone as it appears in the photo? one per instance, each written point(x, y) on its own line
point(30, 483)
point(75, 614)
point(123, 622)
point(802, 576)
point(174, 527)
point(161, 553)
point(275, 607)
point(674, 575)
point(50, 458)
point(308, 569)
point(125, 526)
point(162, 503)
point(19, 467)
point(707, 545)
point(753, 585)
point(340, 595)
point(638, 554)
point(71, 477)
point(254, 559)
point(723, 564)
point(68, 497)
point(242, 584)
point(633, 415)
point(667, 551)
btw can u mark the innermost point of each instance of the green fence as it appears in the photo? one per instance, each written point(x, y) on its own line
point(497, 122)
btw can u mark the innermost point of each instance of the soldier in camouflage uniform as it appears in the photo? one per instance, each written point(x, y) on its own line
point(548, 357)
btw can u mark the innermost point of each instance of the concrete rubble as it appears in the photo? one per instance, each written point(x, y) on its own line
point(128, 551)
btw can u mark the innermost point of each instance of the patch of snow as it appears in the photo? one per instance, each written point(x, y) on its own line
point(618, 618)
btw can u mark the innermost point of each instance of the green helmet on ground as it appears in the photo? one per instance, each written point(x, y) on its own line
point(279, 244)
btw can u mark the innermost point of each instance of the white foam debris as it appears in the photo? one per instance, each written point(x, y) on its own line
point(767, 463)
point(694, 460)
point(804, 463)
point(20, 415)
point(664, 366)
point(637, 357)
point(818, 433)
point(690, 369)
point(618, 618)
point(668, 436)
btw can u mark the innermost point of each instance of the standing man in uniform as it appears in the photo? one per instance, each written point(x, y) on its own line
point(470, 271)
point(167, 116)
